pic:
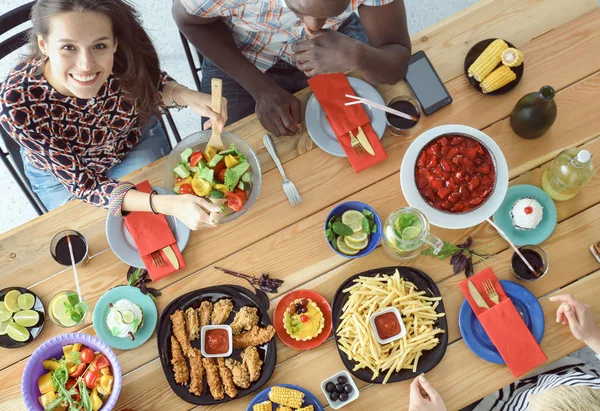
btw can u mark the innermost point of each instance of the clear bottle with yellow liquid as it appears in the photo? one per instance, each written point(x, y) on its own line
point(567, 174)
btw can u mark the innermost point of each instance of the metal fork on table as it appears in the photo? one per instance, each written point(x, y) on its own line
point(491, 291)
point(358, 148)
point(157, 259)
point(289, 188)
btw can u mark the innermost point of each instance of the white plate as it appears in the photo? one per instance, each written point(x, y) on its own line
point(124, 247)
point(447, 220)
point(318, 126)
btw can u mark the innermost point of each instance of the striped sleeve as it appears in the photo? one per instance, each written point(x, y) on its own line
point(211, 8)
point(376, 2)
point(164, 79)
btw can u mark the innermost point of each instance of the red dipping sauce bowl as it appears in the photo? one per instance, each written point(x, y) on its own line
point(216, 341)
point(387, 325)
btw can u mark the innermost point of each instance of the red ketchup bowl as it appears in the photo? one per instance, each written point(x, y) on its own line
point(455, 173)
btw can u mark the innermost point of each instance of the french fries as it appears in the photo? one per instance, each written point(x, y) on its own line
point(357, 340)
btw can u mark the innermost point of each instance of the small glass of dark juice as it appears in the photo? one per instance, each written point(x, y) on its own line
point(408, 105)
point(59, 248)
point(536, 257)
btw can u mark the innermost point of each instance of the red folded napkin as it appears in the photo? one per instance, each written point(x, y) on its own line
point(505, 326)
point(331, 90)
point(151, 233)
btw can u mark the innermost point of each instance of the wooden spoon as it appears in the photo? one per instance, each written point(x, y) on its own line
point(217, 93)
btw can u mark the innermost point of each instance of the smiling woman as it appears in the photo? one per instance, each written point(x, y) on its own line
point(83, 108)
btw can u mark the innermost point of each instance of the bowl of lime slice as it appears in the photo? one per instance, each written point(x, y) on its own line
point(22, 317)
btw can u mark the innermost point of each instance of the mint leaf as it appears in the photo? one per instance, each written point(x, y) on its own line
point(82, 307)
point(73, 298)
point(134, 277)
point(342, 229)
point(329, 234)
point(365, 225)
point(367, 213)
point(404, 221)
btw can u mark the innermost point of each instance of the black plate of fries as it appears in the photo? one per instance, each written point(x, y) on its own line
point(420, 303)
point(475, 52)
point(240, 297)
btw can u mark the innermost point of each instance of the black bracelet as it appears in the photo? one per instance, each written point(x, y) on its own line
point(152, 206)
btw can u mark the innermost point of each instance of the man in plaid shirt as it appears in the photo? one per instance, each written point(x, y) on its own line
point(265, 50)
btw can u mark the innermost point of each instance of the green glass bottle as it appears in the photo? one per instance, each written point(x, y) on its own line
point(534, 113)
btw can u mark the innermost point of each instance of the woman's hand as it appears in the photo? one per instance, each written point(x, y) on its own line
point(423, 397)
point(201, 104)
point(580, 319)
point(195, 212)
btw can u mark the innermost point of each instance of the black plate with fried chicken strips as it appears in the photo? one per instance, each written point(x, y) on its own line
point(207, 381)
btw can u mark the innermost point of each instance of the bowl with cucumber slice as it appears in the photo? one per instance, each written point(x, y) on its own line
point(230, 178)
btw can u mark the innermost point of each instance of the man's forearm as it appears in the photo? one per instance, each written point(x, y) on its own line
point(384, 65)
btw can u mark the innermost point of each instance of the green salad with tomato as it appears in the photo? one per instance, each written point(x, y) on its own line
point(223, 177)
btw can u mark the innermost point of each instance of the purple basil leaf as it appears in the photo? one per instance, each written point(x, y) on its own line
point(469, 268)
point(455, 257)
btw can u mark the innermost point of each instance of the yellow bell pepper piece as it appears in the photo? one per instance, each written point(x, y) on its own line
point(231, 161)
point(47, 398)
point(67, 349)
point(105, 371)
point(209, 153)
point(106, 383)
point(187, 180)
point(45, 383)
point(201, 187)
point(76, 347)
point(221, 187)
point(51, 365)
point(96, 401)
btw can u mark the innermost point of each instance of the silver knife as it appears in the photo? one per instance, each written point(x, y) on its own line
point(171, 256)
point(364, 141)
point(477, 297)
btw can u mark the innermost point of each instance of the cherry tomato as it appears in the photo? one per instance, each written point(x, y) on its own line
point(185, 189)
point(234, 201)
point(87, 355)
point(195, 158)
point(78, 371)
point(242, 194)
point(90, 379)
point(101, 362)
point(221, 175)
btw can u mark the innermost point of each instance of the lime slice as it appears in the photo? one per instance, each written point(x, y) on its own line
point(358, 237)
point(353, 219)
point(344, 249)
point(60, 312)
point(27, 318)
point(410, 233)
point(128, 316)
point(26, 301)
point(5, 314)
point(17, 332)
point(10, 300)
point(4, 326)
point(65, 319)
point(359, 245)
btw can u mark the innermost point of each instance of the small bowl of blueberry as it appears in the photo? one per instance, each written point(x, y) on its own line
point(339, 389)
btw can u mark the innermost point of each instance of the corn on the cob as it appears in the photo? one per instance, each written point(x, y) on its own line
point(308, 408)
point(512, 57)
point(497, 79)
point(263, 406)
point(286, 396)
point(488, 60)
point(284, 409)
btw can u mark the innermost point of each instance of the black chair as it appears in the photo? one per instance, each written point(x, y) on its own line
point(196, 69)
point(11, 157)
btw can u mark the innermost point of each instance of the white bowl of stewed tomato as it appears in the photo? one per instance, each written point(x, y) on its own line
point(456, 175)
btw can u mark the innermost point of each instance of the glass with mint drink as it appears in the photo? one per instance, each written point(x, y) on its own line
point(405, 233)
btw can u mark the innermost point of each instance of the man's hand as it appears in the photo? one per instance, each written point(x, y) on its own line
point(580, 318)
point(327, 52)
point(423, 397)
point(279, 111)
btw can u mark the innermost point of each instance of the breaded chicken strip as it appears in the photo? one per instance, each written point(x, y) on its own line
point(178, 324)
point(196, 372)
point(180, 367)
point(213, 378)
point(204, 312)
point(191, 323)
point(241, 377)
point(244, 320)
point(253, 362)
point(256, 336)
point(221, 311)
point(227, 378)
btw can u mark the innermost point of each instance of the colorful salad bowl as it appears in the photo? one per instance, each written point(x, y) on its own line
point(53, 349)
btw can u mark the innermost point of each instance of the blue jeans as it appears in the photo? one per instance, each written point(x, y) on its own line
point(241, 104)
point(152, 146)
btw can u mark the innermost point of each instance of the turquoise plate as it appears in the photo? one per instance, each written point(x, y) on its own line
point(133, 294)
point(523, 237)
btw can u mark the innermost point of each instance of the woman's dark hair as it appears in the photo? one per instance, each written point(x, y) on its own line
point(136, 63)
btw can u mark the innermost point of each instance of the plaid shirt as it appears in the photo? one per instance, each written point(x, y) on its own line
point(265, 30)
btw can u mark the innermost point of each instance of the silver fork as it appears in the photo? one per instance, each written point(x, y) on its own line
point(358, 148)
point(289, 188)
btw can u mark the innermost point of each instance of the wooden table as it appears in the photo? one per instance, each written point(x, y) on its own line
point(560, 41)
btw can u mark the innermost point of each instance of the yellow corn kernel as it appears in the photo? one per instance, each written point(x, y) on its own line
point(512, 57)
point(308, 408)
point(497, 79)
point(284, 409)
point(488, 60)
point(263, 406)
point(286, 396)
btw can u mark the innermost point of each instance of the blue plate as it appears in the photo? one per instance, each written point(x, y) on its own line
point(475, 336)
point(309, 398)
point(133, 294)
point(524, 237)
